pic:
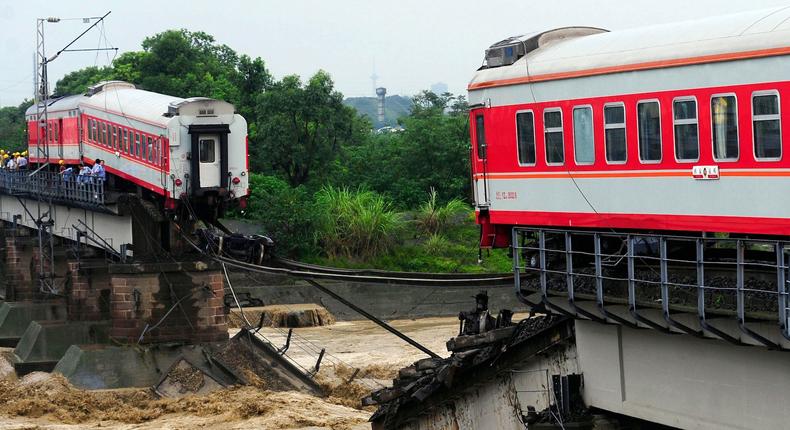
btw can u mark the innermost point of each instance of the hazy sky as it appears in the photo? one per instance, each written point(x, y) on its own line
point(413, 43)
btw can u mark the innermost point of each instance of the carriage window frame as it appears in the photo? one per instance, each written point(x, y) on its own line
point(114, 137)
point(547, 130)
point(589, 108)
point(480, 135)
point(778, 117)
point(136, 153)
point(660, 133)
point(534, 140)
point(677, 122)
point(713, 129)
point(615, 126)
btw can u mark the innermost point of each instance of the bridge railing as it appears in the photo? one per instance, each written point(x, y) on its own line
point(57, 186)
point(745, 279)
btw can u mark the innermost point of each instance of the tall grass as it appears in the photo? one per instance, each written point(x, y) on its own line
point(355, 224)
point(432, 218)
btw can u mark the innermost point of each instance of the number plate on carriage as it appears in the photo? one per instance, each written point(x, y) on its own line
point(705, 172)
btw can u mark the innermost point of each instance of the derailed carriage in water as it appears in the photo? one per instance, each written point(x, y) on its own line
point(626, 166)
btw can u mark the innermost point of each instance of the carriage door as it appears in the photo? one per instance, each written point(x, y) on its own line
point(209, 160)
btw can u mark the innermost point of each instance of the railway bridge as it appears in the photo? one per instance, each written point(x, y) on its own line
point(652, 338)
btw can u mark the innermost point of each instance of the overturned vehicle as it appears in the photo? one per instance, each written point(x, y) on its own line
point(254, 248)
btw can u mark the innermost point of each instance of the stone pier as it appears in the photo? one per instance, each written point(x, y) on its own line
point(167, 302)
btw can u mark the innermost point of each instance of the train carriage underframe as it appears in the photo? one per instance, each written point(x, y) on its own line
point(728, 288)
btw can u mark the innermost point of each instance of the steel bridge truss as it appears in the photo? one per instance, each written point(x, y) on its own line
point(711, 278)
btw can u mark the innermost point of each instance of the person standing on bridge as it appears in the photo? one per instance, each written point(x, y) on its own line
point(98, 170)
point(11, 164)
point(84, 175)
point(22, 161)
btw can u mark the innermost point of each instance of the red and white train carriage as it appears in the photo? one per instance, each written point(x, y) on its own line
point(172, 147)
point(679, 127)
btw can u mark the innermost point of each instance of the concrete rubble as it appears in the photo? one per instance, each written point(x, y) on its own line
point(433, 377)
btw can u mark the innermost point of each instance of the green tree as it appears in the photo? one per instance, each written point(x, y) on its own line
point(13, 127)
point(285, 214)
point(181, 63)
point(302, 129)
point(78, 81)
point(431, 153)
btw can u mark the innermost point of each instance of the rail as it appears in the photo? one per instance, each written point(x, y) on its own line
point(69, 188)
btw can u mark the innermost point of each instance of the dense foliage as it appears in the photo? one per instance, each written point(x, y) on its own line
point(324, 184)
point(284, 213)
point(13, 126)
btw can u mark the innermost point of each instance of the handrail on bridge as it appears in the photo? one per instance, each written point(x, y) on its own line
point(66, 188)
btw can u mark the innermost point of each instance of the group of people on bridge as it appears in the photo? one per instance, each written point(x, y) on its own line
point(83, 172)
point(14, 161)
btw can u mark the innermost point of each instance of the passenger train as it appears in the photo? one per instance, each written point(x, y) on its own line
point(173, 150)
point(669, 128)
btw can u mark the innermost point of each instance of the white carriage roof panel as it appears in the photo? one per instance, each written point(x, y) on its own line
point(762, 32)
point(59, 104)
point(133, 103)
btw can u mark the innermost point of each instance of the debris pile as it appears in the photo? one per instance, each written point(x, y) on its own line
point(46, 397)
point(291, 316)
point(415, 383)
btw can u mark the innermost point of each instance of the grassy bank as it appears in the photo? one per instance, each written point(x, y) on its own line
point(453, 250)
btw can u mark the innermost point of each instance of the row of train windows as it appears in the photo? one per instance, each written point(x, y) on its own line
point(766, 124)
point(125, 141)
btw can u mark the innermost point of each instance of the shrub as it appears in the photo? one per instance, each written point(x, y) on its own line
point(285, 213)
point(436, 244)
point(354, 224)
point(432, 217)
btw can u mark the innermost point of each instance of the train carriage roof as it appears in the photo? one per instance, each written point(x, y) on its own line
point(59, 104)
point(124, 99)
point(582, 51)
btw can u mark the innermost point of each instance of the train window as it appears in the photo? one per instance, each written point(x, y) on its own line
point(525, 131)
point(137, 145)
point(103, 134)
point(724, 119)
point(614, 133)
point(94, 131)
point(686, 129)
point(552, 125)
point(767, 126)
point(125, 141)
point(583, 140)
point(150, 149)
point(114, 137)
point(649, 128)
point(206, 150)
point(480, 134)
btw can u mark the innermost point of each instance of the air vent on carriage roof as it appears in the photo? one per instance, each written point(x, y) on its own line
point(510, 50)
point(108, 85)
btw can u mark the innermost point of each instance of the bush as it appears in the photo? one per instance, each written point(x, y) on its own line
point(354, 224)
point(285, 213)
point(432, 217)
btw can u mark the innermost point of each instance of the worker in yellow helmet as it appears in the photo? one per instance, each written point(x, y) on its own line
point(24, 152)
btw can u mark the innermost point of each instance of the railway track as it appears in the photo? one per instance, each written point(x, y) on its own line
point(311, 271)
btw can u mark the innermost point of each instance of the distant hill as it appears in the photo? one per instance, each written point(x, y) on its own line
point(394, 108)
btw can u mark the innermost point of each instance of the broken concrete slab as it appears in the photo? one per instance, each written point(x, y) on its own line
point(184, 378)
point(45, 342)
point(16, 316)
point(107, 366)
